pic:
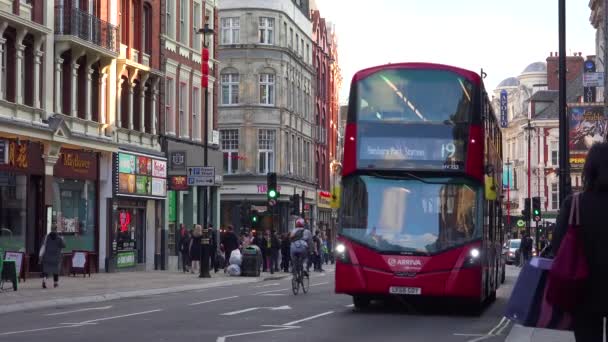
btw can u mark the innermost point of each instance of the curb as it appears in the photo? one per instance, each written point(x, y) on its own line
point(126, 294)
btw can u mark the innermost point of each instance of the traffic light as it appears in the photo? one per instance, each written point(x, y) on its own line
point(272, 192)
point(536, 213)
point(294, 204)
point(254, 218)
point(526, 212)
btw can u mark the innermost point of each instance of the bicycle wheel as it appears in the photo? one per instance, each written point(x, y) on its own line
point(305, 281)
point(295, 285)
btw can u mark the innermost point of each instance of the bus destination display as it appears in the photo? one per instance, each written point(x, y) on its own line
point(411, 153)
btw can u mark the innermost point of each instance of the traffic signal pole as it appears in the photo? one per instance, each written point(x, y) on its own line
point(564, 162)
point(529, 129)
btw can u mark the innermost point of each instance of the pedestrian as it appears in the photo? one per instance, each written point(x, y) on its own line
point(50, 256)
point(195, 248)
point(184, 247)
point(526, 249)
point(592, 309)
point(213, 252)
point(229, 242)
point(276, 248)
point(317, 247)
point(285, 257)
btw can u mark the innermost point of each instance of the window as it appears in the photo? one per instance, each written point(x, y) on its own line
point(307, 52)
point(267, 89)
point(196, 24)
point(183, 24)
point(230, 30)
point(554, 196)
point(183, 102)
point(291, 38)
point(169, 106)
point(301, 47)
point(13, 190)
point(299, 157)
point(554, 148)
point(147, 29)
point(266, 138)
point(266, 33)
point(230, 147)
point(3, 60)
point(169, 13)
point(297, 43)
point(292, 157)
point(230, 89)
point(74, 205)
point(196, 118)
point(285, 33)
point(305, 160)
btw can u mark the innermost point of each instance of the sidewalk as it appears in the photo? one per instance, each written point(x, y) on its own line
point(109, 286)
point(523, 334)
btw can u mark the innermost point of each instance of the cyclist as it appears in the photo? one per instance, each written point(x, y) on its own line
point(301, 239)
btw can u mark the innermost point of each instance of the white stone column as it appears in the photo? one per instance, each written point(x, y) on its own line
point(103, 79)
point(74, 90)
point(2, 85)
point(88, 107)
point(18, 76)
point(154, 106)
point(142, 106)
point(37, 77)
point(130, 109)
point(118, 102)
point(58, 85)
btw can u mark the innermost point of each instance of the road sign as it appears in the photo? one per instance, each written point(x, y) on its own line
point(593, 79)
point(201, 176)
point(521, 223)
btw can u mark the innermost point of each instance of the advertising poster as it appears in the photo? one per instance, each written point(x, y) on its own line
point(126, 183)
point(144, 166)
point(588, 125)
point(142, 185)
point(126, 163)
point(159, 187)
point(159, 168)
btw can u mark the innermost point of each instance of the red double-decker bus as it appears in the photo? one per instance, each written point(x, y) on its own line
point(420, 214)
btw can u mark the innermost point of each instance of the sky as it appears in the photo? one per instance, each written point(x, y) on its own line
point(500, 36)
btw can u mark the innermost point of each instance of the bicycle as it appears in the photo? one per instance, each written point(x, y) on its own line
point(300, 277)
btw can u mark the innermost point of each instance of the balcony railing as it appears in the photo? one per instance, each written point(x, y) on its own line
point(85, 26)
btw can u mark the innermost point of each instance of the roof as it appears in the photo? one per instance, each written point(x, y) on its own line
point(509, 82)
point(545, 96)
point(574, 90)
point(535, 67)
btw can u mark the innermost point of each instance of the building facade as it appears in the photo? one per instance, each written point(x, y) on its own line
point(187, 92)
point(266, 109)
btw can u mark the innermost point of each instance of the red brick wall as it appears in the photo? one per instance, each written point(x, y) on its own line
point(574, 67)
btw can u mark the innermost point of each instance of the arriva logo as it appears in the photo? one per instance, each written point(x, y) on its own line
point(404, 262)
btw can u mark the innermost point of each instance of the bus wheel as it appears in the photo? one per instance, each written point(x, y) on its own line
point(361, 302)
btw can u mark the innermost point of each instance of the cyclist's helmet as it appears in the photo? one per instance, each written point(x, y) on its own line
point(300, 223)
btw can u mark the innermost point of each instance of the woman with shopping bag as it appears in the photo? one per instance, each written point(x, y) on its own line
point(578, 280)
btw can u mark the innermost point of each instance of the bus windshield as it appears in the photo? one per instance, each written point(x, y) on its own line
point(410, 216)
point(410, 95)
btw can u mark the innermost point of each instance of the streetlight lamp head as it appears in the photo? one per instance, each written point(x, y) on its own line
point(206, 31)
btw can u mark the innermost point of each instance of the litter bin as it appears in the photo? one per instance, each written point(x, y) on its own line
point(252, 261)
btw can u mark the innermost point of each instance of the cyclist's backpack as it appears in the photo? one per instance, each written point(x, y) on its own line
point(299, 235)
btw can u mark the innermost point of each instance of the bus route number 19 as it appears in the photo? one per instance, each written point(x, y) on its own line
point(448, 150)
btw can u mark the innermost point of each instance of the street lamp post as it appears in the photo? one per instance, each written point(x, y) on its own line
point(564, 162)
point(530, 129)
point(206, 31)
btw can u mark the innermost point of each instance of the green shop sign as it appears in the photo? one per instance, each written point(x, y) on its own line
point(125, 259)
point(172, 208)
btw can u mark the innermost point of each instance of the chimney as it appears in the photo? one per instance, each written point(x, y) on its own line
point(574, 67)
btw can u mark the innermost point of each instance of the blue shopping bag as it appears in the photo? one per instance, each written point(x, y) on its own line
point(528, 304)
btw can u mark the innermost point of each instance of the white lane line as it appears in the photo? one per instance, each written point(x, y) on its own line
point(469, 335)
point(36, 330)
point(213, 300)
point(274, 294)
point(308, 318)
point(79, 310)
point(271, 291)
point(223, 338)
point(232, 313)
point(120, 316)
point(319, 284)
point(349, 306)
point(498, 326)
point(266, 285)
point(504, 322)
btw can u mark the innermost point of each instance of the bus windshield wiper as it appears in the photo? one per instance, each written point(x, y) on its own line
point(410, 175)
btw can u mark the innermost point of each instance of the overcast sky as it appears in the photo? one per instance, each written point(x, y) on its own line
point(500, 36)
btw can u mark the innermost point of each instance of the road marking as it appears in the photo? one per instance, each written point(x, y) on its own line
point(319, 284)
point(469, 335)
point(279, 326)
point(213, 300)
point(266, 285)
point(271, 291)
point(308, 318)
point(120, 316)
point(79, 310)
point(496, 331)
point(223, 338)
point(274, 294)
point(349, 306)
point(36, 330)
point(232, 313)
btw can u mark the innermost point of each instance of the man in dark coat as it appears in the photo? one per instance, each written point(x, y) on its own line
point(50, 257)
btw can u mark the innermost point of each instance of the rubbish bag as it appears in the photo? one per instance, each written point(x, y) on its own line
point(235, 257)
point(234, 270)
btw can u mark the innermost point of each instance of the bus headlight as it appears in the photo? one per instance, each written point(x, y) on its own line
point(341, 253)
point(474, 253)
point(473, 259)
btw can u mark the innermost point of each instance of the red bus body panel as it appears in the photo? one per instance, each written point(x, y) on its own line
point(470, 75)
point(441, 275)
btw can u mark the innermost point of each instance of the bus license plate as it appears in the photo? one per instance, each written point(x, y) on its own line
point(405, 290)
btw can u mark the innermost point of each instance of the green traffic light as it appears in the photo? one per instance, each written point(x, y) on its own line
point(272, 193)
point(254, 219)
point(536, 212)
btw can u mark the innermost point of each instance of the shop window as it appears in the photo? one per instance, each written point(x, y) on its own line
point(13, 208)
point(74, 209)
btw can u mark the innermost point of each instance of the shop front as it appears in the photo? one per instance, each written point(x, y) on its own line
point(324, 215)
point(136, 236)
point(21, 198)
point(74, 209)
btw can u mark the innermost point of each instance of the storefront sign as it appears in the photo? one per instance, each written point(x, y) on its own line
point(125, 259)
point(324, 199)
point(140, 176)
point(178, 183)
point(201, 175)
point(17, 257)
point(17, 155)
point(178, 160)
point(172, 208)
point(76, 165)
point(588, 126)
point(263, 187)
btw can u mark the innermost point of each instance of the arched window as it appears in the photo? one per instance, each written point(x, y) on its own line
point(147, 29)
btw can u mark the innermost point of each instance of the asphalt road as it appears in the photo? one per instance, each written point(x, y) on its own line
point(266, 311)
